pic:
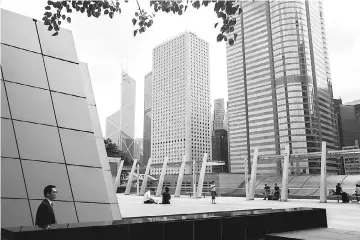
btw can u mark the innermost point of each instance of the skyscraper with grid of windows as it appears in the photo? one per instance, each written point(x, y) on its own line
point(180, 103)
point(279, 84)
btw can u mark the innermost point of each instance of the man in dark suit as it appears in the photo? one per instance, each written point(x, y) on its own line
point(45, 213)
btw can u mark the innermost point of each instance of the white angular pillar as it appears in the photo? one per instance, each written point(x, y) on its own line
point(253, 174)
point(162, 176)
point(323, 185)
point(202, 176)
point(180, 178)
point(146, 176)
point(118, 175)
point(138, 180)
point(246, 178)
point(131, 176)
point(285, 176)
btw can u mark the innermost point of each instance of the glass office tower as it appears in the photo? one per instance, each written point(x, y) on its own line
point(279, 84)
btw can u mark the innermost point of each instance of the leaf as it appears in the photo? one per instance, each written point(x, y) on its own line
point(225, 38)
point(47, 8)
point(47, 22)
point(180, 12)
point(55, 34)
point(106, 11)
point(50, 28)
point(231, 42)
point(48, 14)
point(68, 19)
point(135, 32)
point(111, 15)
point(217, 7)
point(63, 17)
point(134, 21)
point(216, 25)
point(136, 14)
point(235, 36)
point(50, 2)
point(220, 37)
point(205, 3)
point(196, 4)
point(185, 8)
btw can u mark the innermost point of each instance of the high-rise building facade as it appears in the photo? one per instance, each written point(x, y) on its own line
point(180, 102)
point(219, 114)
point(138, 148)
point(357, 119)
point(219, 144)
point(279, 84)
point(120, 126)
point(147, 118)
point(352, 163)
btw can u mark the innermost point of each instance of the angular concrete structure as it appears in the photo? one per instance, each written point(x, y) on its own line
point(49, 133)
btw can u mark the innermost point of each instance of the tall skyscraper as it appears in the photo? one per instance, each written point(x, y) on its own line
point(279, 83)
point(147, 118)
point(120, 126)
point(181, 102)
point(219, 115)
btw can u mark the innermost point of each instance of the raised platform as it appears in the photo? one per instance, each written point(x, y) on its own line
point(339, 215)
point(246, 224)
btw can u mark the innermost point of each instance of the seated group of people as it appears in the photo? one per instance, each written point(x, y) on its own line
point(165, 196)
point(275, 195)
point(344, 195)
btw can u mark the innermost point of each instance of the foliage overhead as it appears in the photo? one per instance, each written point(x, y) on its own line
point(113, 150)
point(226, 11)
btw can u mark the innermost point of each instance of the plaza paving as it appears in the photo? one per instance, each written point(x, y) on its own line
point(344, 216)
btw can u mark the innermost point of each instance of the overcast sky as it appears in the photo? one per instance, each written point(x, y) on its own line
point(104, 43)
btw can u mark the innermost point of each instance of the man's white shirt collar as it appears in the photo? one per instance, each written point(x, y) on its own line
point(49, 201)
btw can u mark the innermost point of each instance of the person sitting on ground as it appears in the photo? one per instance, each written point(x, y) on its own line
point(357, 192)
point(267, 192)
point(166, 196)
point(276, 192)
point(338, 190)
point(147, 197)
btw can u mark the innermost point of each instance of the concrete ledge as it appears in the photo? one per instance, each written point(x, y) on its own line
point(246, 224)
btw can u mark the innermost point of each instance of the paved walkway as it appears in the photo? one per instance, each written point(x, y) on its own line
point(340, 215)
point(319, 234)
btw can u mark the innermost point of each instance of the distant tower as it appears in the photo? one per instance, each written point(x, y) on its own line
point(219, 114)
point(120, 126)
